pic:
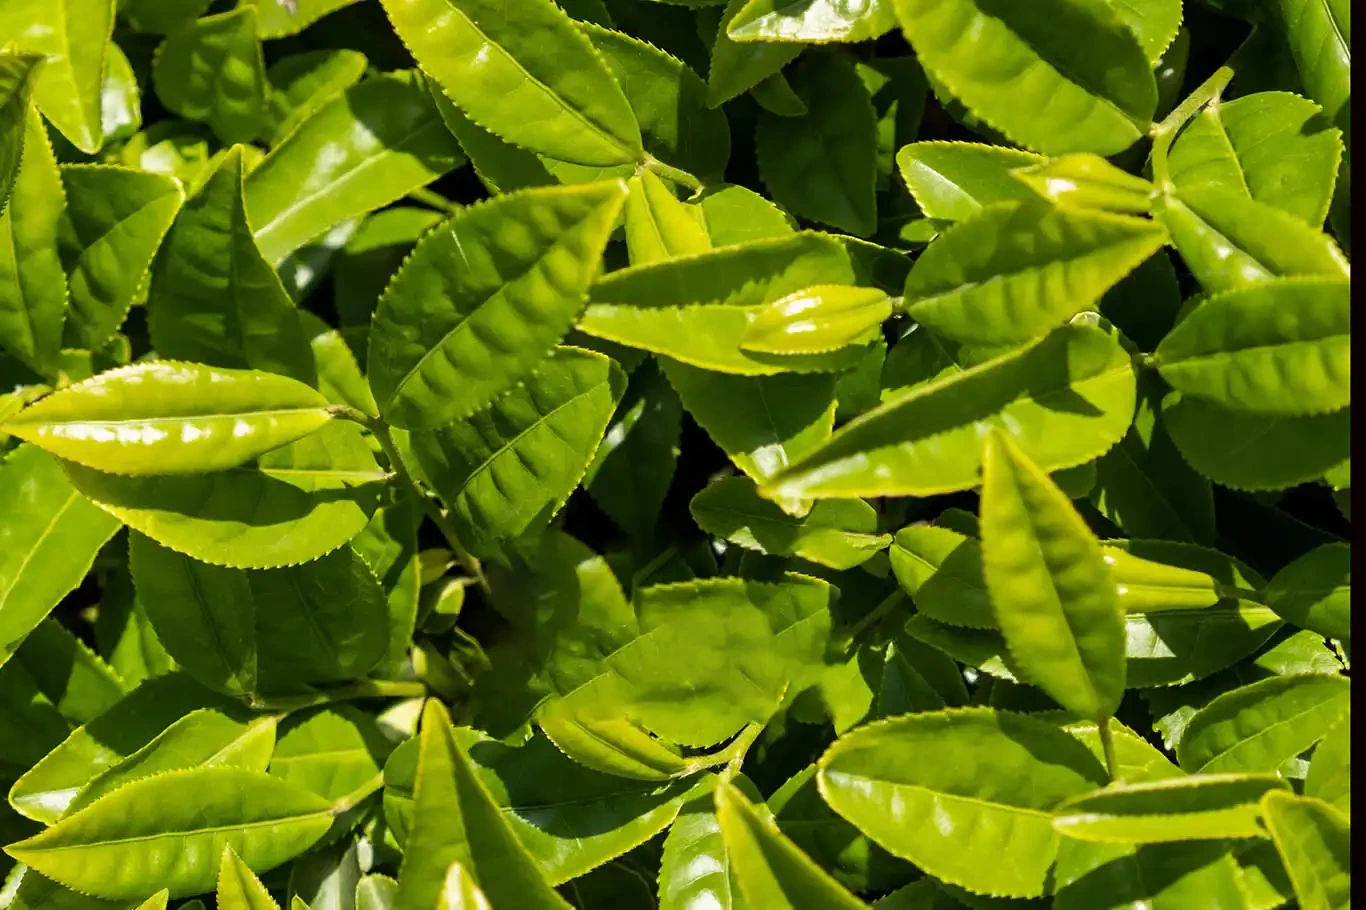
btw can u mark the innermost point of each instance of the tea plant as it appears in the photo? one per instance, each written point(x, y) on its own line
point(776, 453)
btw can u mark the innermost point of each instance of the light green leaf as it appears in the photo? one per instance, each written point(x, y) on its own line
point(49, 537)
point(33, 294)
point(1231, 241)
point(817, 319)
point(812, 21)
point(459, 891)
point(710, 656)
point(331, 751)
point(1315, 591)
point(280, 18)
point(171, 418)
point(211, 70)
point(658, 226)
point(1281, 347)
point(74, 37)
point(109, 849)
point(1086, 181)
point(1258, 727)
point(46, 789)
point(568, 106)
point(541, 791)
point(383, 139)
point(695, 869)
point(510, 468)
point(238, 887)
point(214, 299)
point(302, 83)
point(1320, 39)
point(1066, 77)
point(735, 67)
point(823, 165)
point(120, 98)
point(1252, 451)
point(455, 819)
point(201, 738)
point(1314, 841)
point(113, 224)
point(696, 309)
point(1147, 877)
point(35, 727)
point(1050, 587)
point(376, 892)
point(1273, 147)
point(1016, 271)
point(156, 901)
point(953, 181)
point(837, 534)
point(1330, 768)
point(1199, 807)
point(927, 440)
point(771, 870)
point(942, 571)
point(501, 166)
point(16, 88)
point(447, 338)
point(295, 504)
point(77, 680)
point(891, 778)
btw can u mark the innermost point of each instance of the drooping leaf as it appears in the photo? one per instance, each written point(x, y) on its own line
point(49, 537)
point(74, 38)
point(1015, 271)
point(915, 786)
point(113, 223)
point(568, 106)
point(1280, 347)
point(383, 138)
point(836, 534)
point(926, 440)
point(211, 70)
point(823, 164)
point(295, 504)
point(771, 870)
point(448, 338)
point(110, 848)
point(455, 819)
point(1196, 807)
point(171, 418)
point(1259, 726)
point(1050, 587)
point(1314, 841)
point(512, 466)
point(1091, 91)
point(214, 299)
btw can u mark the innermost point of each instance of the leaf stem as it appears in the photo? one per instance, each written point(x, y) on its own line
point(370, 688)
point(438, 517)
point(681, 177)
point(1164, 132)
point(435, 200)
point(1107, 744)
point(877, 614)
point(357, 796)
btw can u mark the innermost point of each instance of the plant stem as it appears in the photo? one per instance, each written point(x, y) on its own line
point(682, 178)
point(1107, 744)
point(435, 200)
point(1164, 132)
point(438, 517)
point(357, 796)
point(876, 614)
point(370, 688)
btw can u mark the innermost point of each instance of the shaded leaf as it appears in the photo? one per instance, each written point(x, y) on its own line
point(211, 70)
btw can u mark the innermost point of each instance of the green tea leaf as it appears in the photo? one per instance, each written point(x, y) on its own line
point(1091, 91)
point(331, 751)
point(16, 87)
point(239, 888)
point(885, 776)
point(738, 67)
point(49, 537)
point(658, 226)
point(837, 534)
point(1050, 587)
point(80, 685)
point(811, 22)
point(1086, 181)
point(817, 319)
point(171, 418)
point(211, 70)
point(1279, 348)
point(1259, 726)
point(942, 571)
point(567, 104)
point(1199, 807)
point(1315, 591)
point(109, 849)
point(1330, 768)
point(302, 83)
point(1013, 272)
point(1314, 841)
point(74, 38)
point(279, 18)
point(365, 148)
point(953, 181)
point(446, 341)
point(926, 440)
